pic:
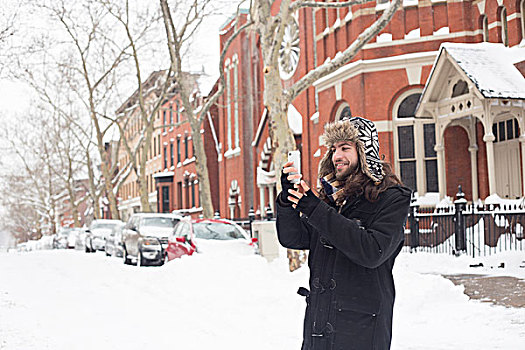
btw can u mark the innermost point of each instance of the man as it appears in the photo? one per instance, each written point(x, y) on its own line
point(354, 229)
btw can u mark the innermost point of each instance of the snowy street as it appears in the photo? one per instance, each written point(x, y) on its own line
point(61, 299)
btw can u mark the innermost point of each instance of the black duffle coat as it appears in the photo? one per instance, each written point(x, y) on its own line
point(352, 252)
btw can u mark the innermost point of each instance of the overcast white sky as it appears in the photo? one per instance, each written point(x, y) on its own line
point(204, 51)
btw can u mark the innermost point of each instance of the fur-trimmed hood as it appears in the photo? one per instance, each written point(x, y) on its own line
point(361, 131)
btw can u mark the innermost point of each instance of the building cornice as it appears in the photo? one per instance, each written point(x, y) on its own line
point(375, 65)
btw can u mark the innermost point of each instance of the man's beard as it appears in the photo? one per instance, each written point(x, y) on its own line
point(352, 169)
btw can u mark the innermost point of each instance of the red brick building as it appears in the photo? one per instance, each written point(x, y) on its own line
point(442, 120)
point(384, 83)
point(177, 184)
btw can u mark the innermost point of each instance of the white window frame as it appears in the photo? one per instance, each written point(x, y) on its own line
point(419, 141)
point(236, 100)
point(504, 27)
point(522, 19)
point(228, 106)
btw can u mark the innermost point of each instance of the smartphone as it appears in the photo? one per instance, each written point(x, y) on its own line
point(295, 157)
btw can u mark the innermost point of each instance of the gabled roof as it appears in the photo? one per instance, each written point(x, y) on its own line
point(490, 67)
point(152, 84)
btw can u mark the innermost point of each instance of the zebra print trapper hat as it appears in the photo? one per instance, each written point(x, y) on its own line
point(364, 133)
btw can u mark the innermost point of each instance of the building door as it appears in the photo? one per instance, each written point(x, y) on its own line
point(508, 172)
point(165, 199)
point(507, 158)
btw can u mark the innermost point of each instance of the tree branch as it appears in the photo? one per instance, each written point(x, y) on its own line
point(341, 59)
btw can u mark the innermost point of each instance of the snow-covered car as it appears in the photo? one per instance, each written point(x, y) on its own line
point(209, 236)
point(145, 237)
point(114, 241)
point(80, 241)
point(97, 233)
point(72, 237)
point(65, 238)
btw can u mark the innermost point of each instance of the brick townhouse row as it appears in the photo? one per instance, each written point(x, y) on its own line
point(443, 82)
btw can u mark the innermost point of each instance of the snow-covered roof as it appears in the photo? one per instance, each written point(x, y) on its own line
point(490, 67)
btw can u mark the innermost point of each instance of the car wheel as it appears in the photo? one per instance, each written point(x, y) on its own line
point(125, 258)
point(140, 259)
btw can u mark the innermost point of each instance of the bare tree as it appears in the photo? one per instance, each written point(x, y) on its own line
point(180, 34)
point(143, 105)
point(55, 86)
point(9, 15)
point(271, 29)
point(34, 188)
point(94, 54)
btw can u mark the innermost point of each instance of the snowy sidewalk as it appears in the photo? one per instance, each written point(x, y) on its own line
point(501, 290)
point(70, 300)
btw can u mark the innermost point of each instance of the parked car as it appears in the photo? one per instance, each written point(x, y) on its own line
point(114, 245)
point(72, 237)
point(65, 238)
point(97, 233)
point(145, 237)
point(191, 236)
point(80, 241)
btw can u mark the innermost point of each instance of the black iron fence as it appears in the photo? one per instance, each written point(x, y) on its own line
point(466, 228)
point(246, 223)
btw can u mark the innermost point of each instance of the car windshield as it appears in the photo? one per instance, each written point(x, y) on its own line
point(160, 222)
point(216, 230)
point(102, 225)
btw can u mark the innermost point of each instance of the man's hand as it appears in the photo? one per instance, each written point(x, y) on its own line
point(286, 184)
point(287, 168)
point(297, 194)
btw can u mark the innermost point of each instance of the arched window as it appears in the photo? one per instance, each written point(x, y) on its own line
point(415, 141)
point(504, 27)
point(522, 12)
point(407, 108)
point(343, 111)
point(484, 26)
point(460, 88)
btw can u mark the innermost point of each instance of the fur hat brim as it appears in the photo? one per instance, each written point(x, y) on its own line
point(363, 133)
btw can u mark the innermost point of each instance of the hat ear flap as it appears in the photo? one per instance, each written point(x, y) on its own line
point(326, 166)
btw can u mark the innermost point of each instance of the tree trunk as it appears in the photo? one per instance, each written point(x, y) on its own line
point(142, 177)
point(92, 187)
point(201, 166)
point(280, 133)
point(108, 184)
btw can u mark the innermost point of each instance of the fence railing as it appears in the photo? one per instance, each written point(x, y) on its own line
point(246, 223)
point(466, 228)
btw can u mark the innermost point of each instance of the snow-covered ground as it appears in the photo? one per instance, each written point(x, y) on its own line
point(60, 299)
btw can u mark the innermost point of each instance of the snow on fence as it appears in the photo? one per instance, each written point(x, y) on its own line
point(469, 228)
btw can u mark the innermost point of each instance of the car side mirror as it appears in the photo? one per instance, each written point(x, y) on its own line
point(180, 239)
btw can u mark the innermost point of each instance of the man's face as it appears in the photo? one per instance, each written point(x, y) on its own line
point(344, 158)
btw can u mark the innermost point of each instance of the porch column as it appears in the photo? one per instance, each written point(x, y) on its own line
point(522, 143)
point(474, 171)
point(489, 143)
point(440, 150)
point(261, 201)
point(271, 195)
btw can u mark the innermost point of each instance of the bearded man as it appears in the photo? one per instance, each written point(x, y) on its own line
point(354, 229)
